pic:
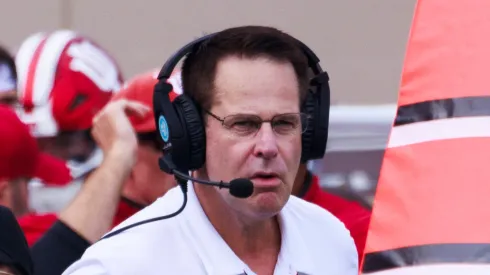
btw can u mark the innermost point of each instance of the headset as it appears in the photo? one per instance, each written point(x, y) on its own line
point(183, 137)
point(181, 126)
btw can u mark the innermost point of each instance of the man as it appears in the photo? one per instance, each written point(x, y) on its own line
point(8, 78)
point(20, 160)
point(64, 79)
point(354, 216)
point(306, 186)
point(147, 182)
point(15, 258)
point(240, 78)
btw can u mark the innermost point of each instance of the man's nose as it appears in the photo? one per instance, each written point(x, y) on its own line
point(266, 142)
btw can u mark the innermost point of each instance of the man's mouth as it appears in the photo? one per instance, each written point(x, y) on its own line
point(265, 179)
point(264, 175)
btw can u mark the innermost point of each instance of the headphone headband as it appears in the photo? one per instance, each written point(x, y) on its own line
point(169, 66)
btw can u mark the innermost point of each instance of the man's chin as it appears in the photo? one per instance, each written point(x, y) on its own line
point(268, 204)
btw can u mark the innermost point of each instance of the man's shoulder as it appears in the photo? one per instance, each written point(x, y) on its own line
point(165, 205)
point(318, 224)
point(311, 213)
point(324, 235)
point(141, 249)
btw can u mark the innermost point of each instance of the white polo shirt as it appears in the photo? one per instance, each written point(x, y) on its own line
point(314, 242)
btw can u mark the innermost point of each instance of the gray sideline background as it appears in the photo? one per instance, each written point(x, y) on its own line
point(360, 42)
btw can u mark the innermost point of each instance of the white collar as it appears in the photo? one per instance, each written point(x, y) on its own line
point(294, 249)
point(219, 259)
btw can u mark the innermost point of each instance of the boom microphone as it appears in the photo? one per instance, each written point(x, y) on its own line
point(240, 188)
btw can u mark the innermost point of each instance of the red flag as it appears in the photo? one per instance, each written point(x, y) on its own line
point(431, 212)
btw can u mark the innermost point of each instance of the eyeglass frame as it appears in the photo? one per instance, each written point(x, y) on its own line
point(307, 117)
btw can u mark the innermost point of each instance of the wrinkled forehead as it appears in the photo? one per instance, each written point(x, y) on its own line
point(259, 86)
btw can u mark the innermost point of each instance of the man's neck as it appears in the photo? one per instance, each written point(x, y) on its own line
point(299, 181)
point(247, 237)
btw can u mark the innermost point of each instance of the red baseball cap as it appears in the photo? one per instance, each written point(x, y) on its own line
point(20, 156)
point(140, 89)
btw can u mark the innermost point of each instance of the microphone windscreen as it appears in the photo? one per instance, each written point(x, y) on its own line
point(241, 188)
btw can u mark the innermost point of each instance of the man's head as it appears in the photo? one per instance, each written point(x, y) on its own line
point(64, 79)
point(20, 160)
point(8, 78)
point(147, 182)
point(240, 77)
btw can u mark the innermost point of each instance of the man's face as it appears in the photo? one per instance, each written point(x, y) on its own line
point(149, 181)
point(263, 88)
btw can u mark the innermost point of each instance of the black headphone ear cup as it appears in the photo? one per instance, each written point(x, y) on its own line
point(195, 131)
point(309, 108)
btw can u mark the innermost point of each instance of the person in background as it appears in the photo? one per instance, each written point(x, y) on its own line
point(21, 160)
point(8, 78)
point(15, 258)
point(54, 243)
point(355, 217)
point(64, 79)
point(89, 215)
point(146, 182)
point(96, 208)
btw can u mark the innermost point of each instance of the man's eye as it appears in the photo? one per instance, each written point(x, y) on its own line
point(284, 122)
point(244, 124)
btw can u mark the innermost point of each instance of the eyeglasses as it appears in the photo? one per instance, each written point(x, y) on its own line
point(248, 124)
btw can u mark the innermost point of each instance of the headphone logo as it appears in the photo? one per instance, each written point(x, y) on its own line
point(163, 128)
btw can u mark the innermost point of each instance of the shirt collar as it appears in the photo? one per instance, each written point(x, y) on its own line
point(219, 259)
point(294, 250)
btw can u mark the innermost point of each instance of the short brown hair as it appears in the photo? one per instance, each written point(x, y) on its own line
point(199, 67)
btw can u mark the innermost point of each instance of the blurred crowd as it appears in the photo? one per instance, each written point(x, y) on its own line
point(51, 92)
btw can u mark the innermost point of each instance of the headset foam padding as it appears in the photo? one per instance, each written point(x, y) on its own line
point(195, 131)
point(309, 108)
